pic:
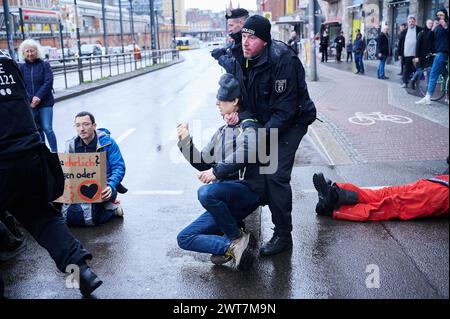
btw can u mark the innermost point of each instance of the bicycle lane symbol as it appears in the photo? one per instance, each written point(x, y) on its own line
point(361, 118)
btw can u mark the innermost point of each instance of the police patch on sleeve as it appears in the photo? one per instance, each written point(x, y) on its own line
point(280, 86)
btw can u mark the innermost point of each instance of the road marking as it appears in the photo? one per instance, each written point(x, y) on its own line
point(162, 192)
point(122, 137)
point(310, 191)
point(324, 149)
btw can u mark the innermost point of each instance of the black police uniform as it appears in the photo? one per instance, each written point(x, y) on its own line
point(275, 92)
point(23, 173)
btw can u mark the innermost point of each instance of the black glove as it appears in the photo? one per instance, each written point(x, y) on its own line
point(217, 53)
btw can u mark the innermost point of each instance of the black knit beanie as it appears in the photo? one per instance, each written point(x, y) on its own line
point(259, 26)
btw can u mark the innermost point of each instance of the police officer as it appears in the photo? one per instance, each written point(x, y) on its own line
point(26, 179)
point(272, 79)
point(235, 21)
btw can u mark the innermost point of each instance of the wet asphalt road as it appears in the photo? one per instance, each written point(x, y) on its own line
point(138, 257)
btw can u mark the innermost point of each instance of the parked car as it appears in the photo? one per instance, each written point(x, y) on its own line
point(69, 54)
point(91, 50)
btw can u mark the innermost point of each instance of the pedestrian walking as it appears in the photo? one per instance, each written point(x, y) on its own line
point(424, 50)
point(359, 48)
point(349, 49)
point(340, 45)
point(38, 77)
point(324, 42)
point(383, 52)
point(409, 42)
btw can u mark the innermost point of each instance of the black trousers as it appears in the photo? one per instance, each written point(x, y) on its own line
point(409, 69)
point(350, 55)
point(279, 192)
point(324, 50)
point(22, 193)
point(338, 55)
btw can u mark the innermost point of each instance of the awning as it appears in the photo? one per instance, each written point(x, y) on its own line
point(395, 3)
point(333, 20)
point(354, 7)
point(295, 19)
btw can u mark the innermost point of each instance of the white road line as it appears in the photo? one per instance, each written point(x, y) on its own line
point(324, 149)
point(122, 137)
point(310, 191)
point(162, 192)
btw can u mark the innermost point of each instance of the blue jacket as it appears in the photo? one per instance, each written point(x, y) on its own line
point(358, 45)
point(115, 165)
point(38, 78)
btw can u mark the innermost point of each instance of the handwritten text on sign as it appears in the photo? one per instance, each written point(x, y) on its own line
point(84, 176)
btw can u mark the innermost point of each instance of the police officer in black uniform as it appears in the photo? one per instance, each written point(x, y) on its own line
point(274, 90)
point(235, 21)
point(29, 179)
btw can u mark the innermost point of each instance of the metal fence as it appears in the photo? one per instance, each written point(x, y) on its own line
point(72, 71)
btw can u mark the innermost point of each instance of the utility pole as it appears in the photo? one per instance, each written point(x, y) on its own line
point(121, 26)
point(157, 29)
point(22, 29)
point(173, 25)
point(312, 36)
point(105, 30)
point(152, 24)
point(80, 64)
point(8, 29)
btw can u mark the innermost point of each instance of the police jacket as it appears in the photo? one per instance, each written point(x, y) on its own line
point(18, 132)
point(38, 78)
point(231, 153)
point(274, 88)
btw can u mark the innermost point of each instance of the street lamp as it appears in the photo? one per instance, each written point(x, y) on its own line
point(157, 29)
point(132, 31)
point(173, 23)
point(152, 24)
point(105, 30)
point(80, 66)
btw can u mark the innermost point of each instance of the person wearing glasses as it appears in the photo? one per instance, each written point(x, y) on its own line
point(89, 139)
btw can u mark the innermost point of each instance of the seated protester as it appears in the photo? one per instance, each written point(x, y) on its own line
point(423, 198)
point(91, 140)
point(234, 187)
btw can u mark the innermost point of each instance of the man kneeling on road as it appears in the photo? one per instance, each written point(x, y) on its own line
point(91, 140)
point(423, 198)
point(234, 189)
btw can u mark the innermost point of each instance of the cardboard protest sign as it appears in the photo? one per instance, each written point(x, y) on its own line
point(84, 177)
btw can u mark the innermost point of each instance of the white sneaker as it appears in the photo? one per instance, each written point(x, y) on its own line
point(424, 101)
point(118, 211)
point(240, 250)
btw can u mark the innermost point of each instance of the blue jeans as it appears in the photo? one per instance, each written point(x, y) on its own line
point(45, 125)
point(225, 203)
point(438, 65)
point(359, 62)
point(381, 67)
point(417, 75)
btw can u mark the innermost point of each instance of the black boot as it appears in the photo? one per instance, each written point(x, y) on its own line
point(276, 245)
point(327, 195)
point(88, 281)
point(331, 197)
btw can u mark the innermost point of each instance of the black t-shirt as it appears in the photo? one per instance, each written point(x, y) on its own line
point(18, 131)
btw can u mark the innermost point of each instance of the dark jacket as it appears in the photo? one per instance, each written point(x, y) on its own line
point(383, 45)
point(358, 45)
point(293, 43)
point(441, 35)
point(18, 132)
point(274, 88)
point(324, 40)
point(38, 77)
point(340, 42)
point(401, 45)
point(425, 46)
point(232, 153)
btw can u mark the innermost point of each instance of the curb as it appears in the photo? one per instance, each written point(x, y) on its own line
point(86, 88)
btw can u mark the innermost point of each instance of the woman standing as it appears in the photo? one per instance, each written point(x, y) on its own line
point(38, 78)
